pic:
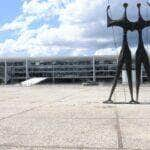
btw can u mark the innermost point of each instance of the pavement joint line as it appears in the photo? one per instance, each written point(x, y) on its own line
point(22, 112)
point(57, 100)
point(103, 118)
point(71, 96)
point(61, 147)
point(82, 89)
point(118, 128)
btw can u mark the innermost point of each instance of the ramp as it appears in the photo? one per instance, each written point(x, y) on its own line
point(32, 81)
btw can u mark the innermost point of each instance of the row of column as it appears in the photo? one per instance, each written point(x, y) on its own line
point(6, 77)
point(124, 75)
point(93, 65)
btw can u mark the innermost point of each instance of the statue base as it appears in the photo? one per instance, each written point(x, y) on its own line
point(134, 102)
point(112, 102)
point(108, 102)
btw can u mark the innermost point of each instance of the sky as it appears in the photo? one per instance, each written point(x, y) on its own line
point(32, 28)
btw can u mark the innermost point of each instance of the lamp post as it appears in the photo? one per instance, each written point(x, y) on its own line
point(94, 77)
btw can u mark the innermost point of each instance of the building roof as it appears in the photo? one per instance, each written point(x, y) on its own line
point(57, 58)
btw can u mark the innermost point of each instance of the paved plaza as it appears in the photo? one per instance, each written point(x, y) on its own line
point(72, 117)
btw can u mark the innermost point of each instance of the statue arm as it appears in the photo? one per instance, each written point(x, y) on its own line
point(111, 22)
point(146, 24)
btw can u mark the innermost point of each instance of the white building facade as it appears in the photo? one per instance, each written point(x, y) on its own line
point(59, 69)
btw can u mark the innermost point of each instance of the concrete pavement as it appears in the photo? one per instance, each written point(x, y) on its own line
point(72, 117)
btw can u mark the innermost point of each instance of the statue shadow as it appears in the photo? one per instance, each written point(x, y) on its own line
point(127, 103)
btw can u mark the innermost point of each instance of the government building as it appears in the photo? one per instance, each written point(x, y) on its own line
point(60, 69)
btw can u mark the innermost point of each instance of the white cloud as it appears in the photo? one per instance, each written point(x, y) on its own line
point(81, 30)
point(108, 51)
point(20, 23)
point(35, 7)
point(42, 8)
point(82, 12)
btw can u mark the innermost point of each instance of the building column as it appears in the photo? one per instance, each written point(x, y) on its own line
point(27, 71)
point(53, 73)
point(5, 74)
point(94, 77)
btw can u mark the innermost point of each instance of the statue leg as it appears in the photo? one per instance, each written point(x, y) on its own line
point(119, 68)
point(129, 74)
point(146, 65)
point(138, 62)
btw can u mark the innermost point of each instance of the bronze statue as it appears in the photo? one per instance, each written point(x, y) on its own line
point(141, 54)
point(125, 54)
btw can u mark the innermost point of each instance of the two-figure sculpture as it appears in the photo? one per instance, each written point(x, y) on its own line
point(125, 58)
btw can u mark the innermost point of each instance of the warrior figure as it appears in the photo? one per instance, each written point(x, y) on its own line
point(141, 54)
point(125, 54)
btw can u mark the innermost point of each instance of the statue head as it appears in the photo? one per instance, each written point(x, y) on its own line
point(138, 5)
point(125, 5)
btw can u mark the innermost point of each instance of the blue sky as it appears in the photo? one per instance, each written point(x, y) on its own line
point(9, 9)
point(64, 27)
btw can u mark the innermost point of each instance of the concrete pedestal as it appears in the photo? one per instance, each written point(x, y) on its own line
point(125, 78)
